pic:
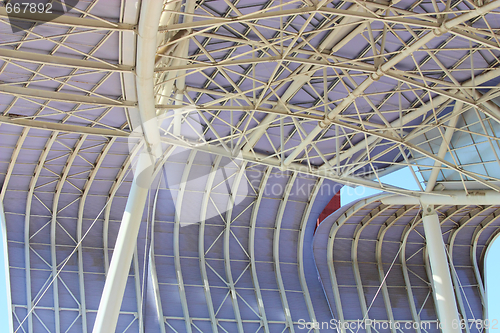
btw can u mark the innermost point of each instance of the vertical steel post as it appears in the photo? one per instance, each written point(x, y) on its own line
point(5, 254)
point(116, 280)
point(444, 294)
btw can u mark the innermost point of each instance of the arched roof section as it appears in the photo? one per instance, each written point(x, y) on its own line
point(372, 260)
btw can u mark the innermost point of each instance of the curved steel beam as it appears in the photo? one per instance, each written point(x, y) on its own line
point(53, 228)
point(331, 268)
point(354, 257)
point(276, 251)
point(456, 282)
point(79, 228)
point(227, 250)
point(12, 163)
point(201, 243)
point(477, 233)
point(177, 227)
point(406, 276)
point(109, 307)
point(380, 265)
point(27, 218)
point(251, 249)
point(300, 251)
point(152, 266)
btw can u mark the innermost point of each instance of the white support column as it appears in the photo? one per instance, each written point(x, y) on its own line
point(3, 234)
point(446, 304)
point(116, 280)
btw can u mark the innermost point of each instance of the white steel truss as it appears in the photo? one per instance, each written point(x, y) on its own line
point(334, 91)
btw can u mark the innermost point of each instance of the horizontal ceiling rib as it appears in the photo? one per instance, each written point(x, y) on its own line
point(33, 93)
point(60, 61)
point(45, 125)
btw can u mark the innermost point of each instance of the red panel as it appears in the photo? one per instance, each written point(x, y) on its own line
point(332, 206)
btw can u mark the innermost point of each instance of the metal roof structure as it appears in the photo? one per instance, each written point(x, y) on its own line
point(367, 242)
point(212, 134)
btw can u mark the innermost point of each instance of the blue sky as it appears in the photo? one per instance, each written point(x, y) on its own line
point(401, 178)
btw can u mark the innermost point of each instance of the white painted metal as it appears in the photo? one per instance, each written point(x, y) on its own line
point(27, 236)
point(276, 251)
point(406, 274)
point(251, 249)
point(177, 62)
point(447, 198)
point(457, 284)
point(53, 60)
point(444, 148)
point(5, 254)
point(477, 233)
point(81, 275)
point(28, 123)
point(176, 240)
point(201, 244)
point(442, 284)
point(363, 300)
point(300, 251)
point(227, 251)
point(146, 49)
point(446, 26)
point(53, 229)
point(380, 264)
point(114, 188)
point(31, 93)
point(275, 162)
point(331, 269)
point(109, 307)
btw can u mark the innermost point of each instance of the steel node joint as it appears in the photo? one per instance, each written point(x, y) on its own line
point(324, 123)
point(442, 29)
point(428, 209)
point(375, 76)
